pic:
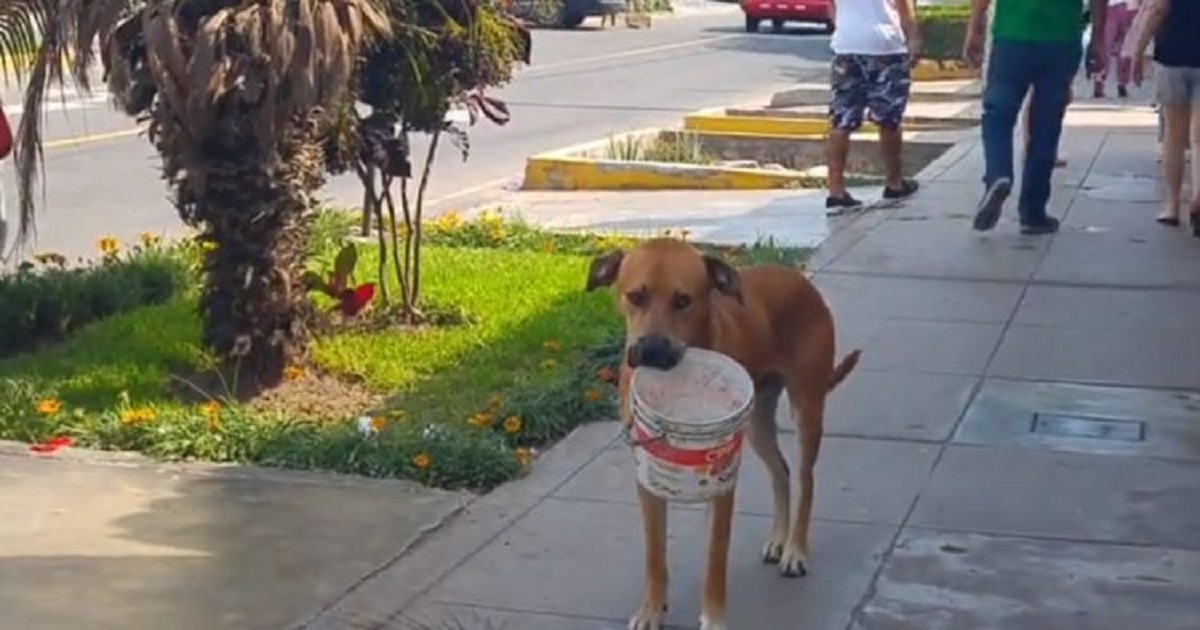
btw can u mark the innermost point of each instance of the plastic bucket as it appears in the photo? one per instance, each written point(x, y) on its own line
point(688, 426)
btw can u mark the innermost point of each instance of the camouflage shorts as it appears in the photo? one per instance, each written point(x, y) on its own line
point(878, 84)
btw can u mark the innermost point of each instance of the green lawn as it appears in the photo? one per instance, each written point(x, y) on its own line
point(464, 405)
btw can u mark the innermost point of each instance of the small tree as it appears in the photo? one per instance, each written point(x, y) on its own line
point(440, 56)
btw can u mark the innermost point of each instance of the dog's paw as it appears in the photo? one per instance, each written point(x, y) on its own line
point(647, 619)
point(794, 563)
point(708, 623)
point(772, 551)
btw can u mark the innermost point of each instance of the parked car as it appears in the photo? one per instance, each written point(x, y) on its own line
point(564, 13)
point(781, 11)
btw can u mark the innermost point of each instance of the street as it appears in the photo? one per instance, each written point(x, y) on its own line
point(102, 178)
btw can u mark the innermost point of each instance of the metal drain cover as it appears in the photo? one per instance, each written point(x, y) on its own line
point(1066, 426)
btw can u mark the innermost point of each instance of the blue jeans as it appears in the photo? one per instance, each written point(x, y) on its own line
point(1014, 68)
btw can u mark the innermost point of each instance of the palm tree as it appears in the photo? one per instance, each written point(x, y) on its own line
point(235, 92)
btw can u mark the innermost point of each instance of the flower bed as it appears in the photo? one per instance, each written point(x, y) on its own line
point(527, 356)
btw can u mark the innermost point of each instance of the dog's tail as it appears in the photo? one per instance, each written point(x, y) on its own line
point(844, 369)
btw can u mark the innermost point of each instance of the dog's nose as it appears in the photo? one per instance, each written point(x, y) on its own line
point(654, 351)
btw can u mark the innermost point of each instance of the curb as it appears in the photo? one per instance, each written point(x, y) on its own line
point(720, 121)
point(929, 71)
point(566, 173)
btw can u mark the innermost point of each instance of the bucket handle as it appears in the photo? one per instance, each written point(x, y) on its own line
point(632, 442)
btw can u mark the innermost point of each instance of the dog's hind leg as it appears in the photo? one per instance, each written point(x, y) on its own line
point(764, 438)
point(808, 408)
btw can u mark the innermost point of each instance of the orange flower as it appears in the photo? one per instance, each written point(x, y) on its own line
point(551, 345)
point(524, 456)
point(606, 374)
point(149, 240)
point(511, 424)
point(593, 395)
point(479, 420)
point(420, 461)
point(211, 408)
point(292, 373)
point(48, 406)
point(377, 423)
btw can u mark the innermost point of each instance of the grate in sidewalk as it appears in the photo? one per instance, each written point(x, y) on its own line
point(1068, 426)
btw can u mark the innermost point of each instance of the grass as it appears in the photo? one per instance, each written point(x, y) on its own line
point(465, 405)
point(675, 148)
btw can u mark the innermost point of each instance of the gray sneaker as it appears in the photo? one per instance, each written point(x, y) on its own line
point(987, 215)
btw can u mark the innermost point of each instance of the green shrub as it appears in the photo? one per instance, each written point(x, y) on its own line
point(47, 300)
point(943, 30)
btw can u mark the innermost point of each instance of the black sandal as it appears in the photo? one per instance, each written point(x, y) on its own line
point(1165, 220)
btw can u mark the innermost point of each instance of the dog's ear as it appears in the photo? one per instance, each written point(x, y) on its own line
point(724, 277)
point(603, 271)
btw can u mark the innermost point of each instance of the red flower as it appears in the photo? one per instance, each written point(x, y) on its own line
point(353, 301)
point(51, 445)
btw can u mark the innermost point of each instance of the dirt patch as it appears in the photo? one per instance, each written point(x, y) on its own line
point(317, 396)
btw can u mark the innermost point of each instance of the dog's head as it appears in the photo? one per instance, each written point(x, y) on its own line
point(666, 289)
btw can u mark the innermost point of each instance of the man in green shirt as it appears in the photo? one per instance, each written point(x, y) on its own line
point(1036, 44)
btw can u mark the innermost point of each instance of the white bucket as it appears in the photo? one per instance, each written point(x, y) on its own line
point(688, 426)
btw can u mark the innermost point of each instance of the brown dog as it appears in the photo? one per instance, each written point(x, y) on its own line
point(773, 321)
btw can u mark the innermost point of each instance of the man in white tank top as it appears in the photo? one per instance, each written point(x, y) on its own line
point(874, 44)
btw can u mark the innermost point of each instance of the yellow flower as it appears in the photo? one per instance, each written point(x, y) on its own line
point(51, 258)
point(137, 416)
point(448, 221)
point(421, 461)
point(109, 246)
point(593, 395)
point(524, 456)
point(211, 408)
point(377, 423)
point(208, 246)
point(292, 373)
point(549, 364)
point(551, 345)
point(48, 406)
point(512, 424)
point(149, 240)
point(480, 420)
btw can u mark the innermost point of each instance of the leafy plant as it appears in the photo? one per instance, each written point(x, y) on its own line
point(350, 299)
point(443, 56)
point(943, 30)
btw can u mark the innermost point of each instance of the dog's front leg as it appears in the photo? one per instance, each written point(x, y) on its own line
point(720, 529)
point(649, 615)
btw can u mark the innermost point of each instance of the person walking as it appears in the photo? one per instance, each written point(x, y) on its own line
point(1117, 27)
point(875, 43)
point(1036, 45)
point(1174, 25)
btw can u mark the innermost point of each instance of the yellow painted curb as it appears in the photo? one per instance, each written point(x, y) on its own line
point(762, 125)
point(937, 71)
point(549, 172)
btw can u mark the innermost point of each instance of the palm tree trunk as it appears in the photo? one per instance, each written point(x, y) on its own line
point(254, 308)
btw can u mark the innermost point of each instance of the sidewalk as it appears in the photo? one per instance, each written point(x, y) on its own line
point(1019, 449)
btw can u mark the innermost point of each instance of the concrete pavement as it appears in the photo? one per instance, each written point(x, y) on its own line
point(583, 85)
point(1019, 449)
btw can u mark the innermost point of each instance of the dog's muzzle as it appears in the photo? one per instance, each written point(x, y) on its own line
point(654, 351)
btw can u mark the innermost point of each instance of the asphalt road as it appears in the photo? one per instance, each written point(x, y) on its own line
point(103, 179)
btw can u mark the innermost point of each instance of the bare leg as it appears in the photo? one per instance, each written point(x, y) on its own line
point(890, 145)
point(1176, 128)
point(1195, 141)
point(837, 149)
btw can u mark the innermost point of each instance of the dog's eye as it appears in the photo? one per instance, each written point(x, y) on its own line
point(681, 301)
point(637, 299)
